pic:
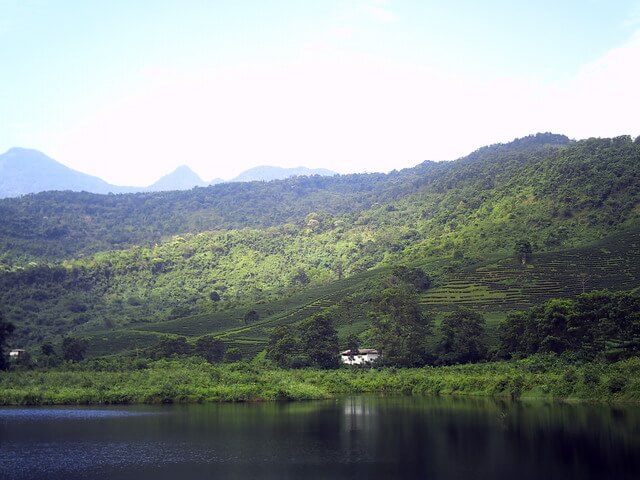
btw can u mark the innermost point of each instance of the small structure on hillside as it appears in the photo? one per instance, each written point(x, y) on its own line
point(365, 356)
point(16, 353)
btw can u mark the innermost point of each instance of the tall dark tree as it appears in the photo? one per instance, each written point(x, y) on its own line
point(283, 346)
point(463, 333)
point(524, 251)
point(211, 349)
point(400, 328)
point(251, 316)
point(73, 349)
point(47, 349)
point(171, 347)
point(320, 342)
point(353, 344)
point(413, 276)
point(6, 329)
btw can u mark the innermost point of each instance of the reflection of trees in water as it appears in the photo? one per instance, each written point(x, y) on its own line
point(357, 437)
point(591, 441)
point(456, 437)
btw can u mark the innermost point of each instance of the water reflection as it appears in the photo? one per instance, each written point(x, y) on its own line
point(368, 437)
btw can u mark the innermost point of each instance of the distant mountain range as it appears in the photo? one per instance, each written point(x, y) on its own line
point(182, 178)
point(29, 171)
point(266, 173)
point(24, 171)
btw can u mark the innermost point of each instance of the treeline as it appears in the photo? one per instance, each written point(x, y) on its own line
point(196, 274)
point(597, 325)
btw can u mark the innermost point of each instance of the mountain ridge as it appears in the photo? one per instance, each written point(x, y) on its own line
point(26, 171)
point(265, 173)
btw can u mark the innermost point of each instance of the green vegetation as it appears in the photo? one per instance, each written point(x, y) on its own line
point(262, 246)
point(463, 341)
point(595, 325)
point(503, 254)
point(400, 328)
point(195, 380)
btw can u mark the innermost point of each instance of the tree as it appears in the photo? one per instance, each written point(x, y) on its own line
point(523, 250)
point(251, 316)
point(353, 345)
point(463, 337)
point(47, 349)
point(400, 328)
point(73, 349)
point(514, 335)
point(211, 349)
point(300, 278)
point(282, 346)
point(169, 347)
point(320, 342)
point(6, 329)
point(413, 276)
point(214, 296)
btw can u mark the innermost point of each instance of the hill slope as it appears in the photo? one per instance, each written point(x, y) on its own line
point(57, 225)
point(310, 232)
point(492, 288)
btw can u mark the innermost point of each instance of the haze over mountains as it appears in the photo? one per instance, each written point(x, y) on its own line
point(24, 171)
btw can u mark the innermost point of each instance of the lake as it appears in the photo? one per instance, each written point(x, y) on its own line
point(352, 437)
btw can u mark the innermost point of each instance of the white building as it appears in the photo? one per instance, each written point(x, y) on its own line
point(365, 356)
point(16, 353)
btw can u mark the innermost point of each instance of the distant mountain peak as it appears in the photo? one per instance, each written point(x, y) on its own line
point(267, 173)
point(24, 170)
point(181, 178)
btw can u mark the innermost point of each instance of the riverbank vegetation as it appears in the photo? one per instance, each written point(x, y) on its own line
point(191, 380)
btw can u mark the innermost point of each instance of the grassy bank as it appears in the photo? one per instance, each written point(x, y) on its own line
point(194, 380)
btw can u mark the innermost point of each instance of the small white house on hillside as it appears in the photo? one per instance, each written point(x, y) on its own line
point(364, 356)
point(16, 353)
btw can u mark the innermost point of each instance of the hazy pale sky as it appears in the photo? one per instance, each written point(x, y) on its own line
point(129, 90)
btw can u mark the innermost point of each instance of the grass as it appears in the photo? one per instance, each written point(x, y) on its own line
point(190, 380)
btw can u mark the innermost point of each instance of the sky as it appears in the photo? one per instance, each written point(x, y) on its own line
point(130, 90)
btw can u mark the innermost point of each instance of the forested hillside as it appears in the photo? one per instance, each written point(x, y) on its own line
point(58, 225)
point(83, 263)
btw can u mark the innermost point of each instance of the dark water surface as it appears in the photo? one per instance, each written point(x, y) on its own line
point(354, 438)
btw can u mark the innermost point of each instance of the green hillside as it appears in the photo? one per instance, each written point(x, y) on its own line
point(613, 263)
point(52, 226)
point(494, 289)
point(112, 269)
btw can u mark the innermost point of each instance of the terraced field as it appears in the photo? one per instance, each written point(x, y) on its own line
point(229, 325)
point(613, 263)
